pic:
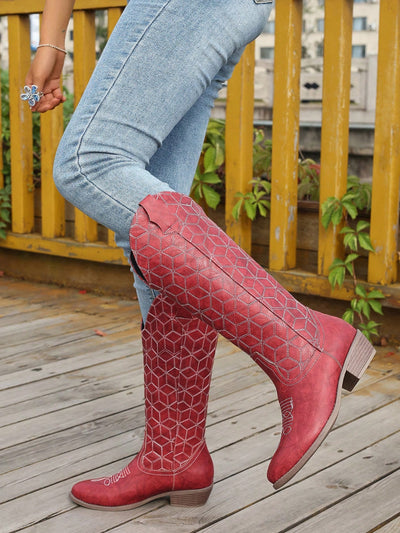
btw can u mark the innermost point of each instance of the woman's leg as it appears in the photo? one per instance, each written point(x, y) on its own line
point(176, 160)
point(122, 145)
point(161, 58)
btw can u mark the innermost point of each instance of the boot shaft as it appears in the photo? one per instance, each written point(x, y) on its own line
point(184, 254)
point(178, 352)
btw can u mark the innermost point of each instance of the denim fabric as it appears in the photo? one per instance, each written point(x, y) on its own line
point(140, 124)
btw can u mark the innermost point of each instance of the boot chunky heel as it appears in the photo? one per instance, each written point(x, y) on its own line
point(190, 498)
point(358, 358)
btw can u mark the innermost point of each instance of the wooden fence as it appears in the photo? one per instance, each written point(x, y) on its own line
point(85, 242)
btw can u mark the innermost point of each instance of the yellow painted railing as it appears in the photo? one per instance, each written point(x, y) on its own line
point(85, 244)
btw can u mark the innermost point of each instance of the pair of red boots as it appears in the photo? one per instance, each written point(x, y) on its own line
point(207, 285)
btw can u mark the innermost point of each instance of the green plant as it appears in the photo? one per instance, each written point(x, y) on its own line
point(336, 211)
point(5, 192)
point(254, 201)
point(208, 180)
point(5, 207)
point(211, 165)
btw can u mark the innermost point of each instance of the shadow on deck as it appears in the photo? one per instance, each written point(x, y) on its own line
point(71, 406)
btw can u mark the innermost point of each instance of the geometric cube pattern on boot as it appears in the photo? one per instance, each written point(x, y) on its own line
point(179, 353)
point(174, 461)
point(180, 252)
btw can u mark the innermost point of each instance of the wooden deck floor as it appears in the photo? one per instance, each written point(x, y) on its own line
point(71, 407)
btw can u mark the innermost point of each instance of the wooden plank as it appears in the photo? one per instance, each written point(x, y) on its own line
point(35, 243)
point(392, 527)
point(53, 204)
point(20, 127)
point(239, 144)
point(85, 60)
point(285, 135)
point(335, 120)
point(304, 282)
point(321, 491)
point(113, 14)
point(1, 144)
point(66, 365)
point(383, 263)
point(36, 6)
point(364, 511)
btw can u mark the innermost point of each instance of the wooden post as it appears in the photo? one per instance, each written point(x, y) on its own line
point(335, 119)
point(382, 265)
point(285, 134)
point(84, 63)
point(20, 126)
point(239, 144)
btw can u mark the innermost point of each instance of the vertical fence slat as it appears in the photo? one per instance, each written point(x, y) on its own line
point(335, 119)
point(1, 147)
point(84, 63)
point(113, 15)
point(239, 144)
point(53, 204)
point(382, 266)
point(20, 126)
point(285, 134)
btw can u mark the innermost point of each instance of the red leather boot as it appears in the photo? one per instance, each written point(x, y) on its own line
point(174, 461)
point(308, 355)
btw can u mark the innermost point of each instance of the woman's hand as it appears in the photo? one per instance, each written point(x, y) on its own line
point(45, 72)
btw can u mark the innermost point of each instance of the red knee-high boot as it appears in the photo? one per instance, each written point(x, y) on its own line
point(308, 355)
point(174, 461)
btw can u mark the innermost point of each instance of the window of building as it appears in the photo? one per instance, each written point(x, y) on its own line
point(320, 49)
point(359, 50)
point(267, 52)
point(360, 23)
point(269, 27)
point(320, 25)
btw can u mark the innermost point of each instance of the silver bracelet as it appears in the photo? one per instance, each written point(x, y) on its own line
point(52, 46)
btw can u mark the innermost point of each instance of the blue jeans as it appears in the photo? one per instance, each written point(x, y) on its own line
point(140, 125)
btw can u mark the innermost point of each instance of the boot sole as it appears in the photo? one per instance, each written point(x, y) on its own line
point(358, 358)
point(178, 498)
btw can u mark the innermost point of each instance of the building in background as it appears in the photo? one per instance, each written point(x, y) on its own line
point(365, 30)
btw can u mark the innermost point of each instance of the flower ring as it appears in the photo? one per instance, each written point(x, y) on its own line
point(31, 94)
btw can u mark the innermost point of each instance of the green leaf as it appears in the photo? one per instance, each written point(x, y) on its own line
point(251, 209)
point(209, 159)
point(365, 242)
point(210, 178)
point(348, 316)
point(237, 208)
point(376, 294)
point(219, 154)
point(336, 276)
point(211, 196)
point(365, 308)
point(337, 216)
point(350, 208)
point(360, 291)
point(351, 258)
point(347, 229)
point(350, 240)
point(376, 306)
point(362, 224)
